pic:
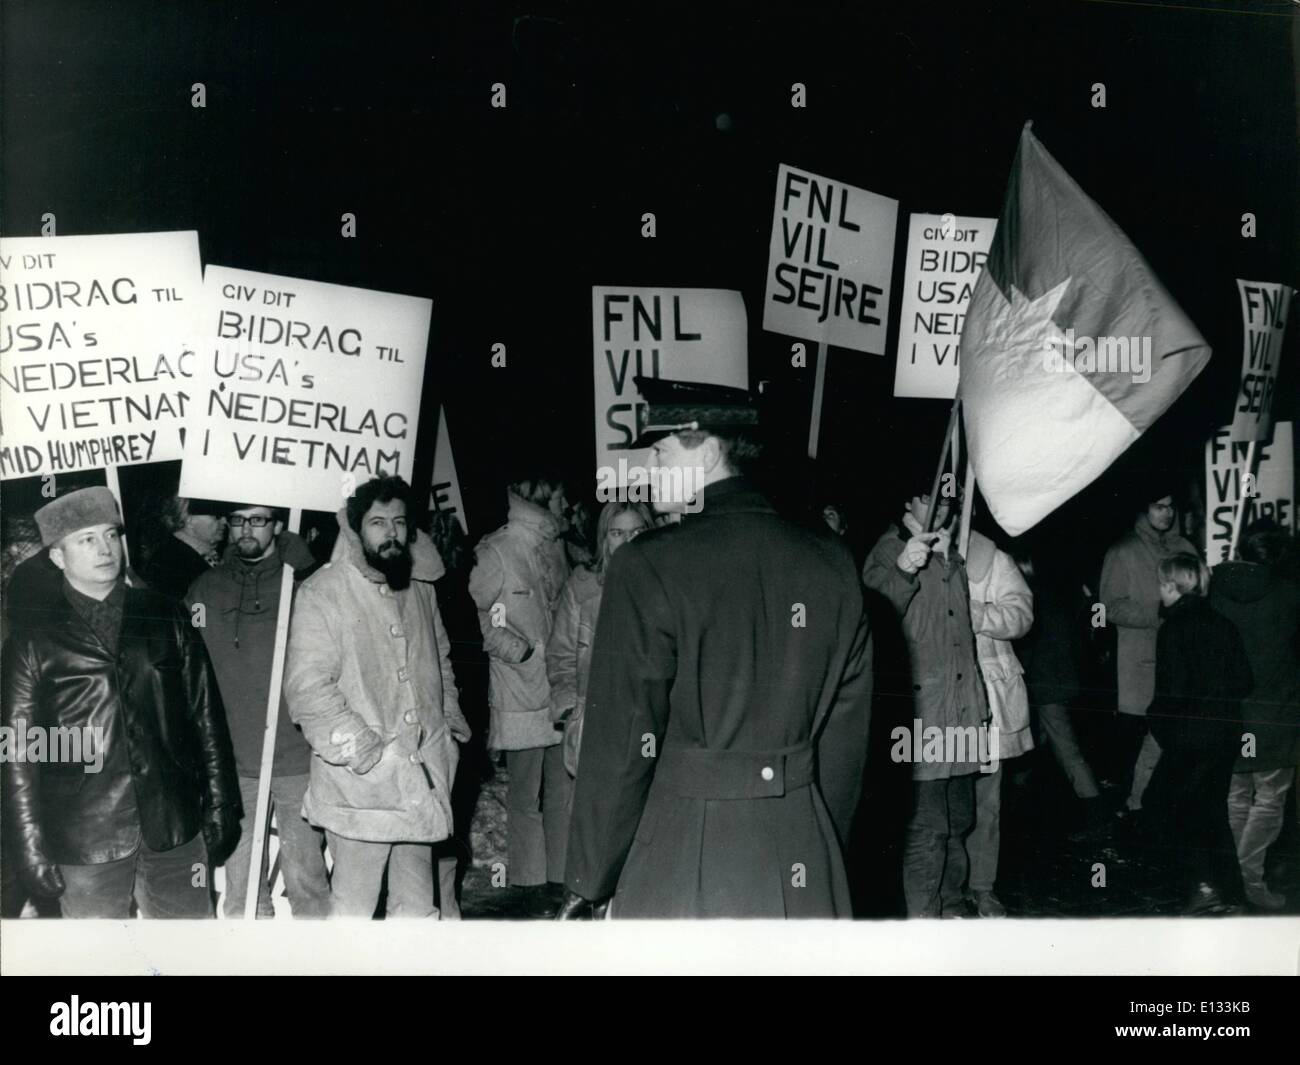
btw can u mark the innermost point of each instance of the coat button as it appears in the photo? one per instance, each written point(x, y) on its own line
point(395, 630)
point(402, 674)
point(415, 757)
point(767, 773)
point(409, 717)
point(959, 676)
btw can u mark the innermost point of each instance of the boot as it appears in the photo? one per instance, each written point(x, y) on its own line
point(1205, 900)
point(1259, 896)
point(988, 904)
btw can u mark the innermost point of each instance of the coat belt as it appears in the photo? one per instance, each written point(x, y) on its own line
point(702, 773)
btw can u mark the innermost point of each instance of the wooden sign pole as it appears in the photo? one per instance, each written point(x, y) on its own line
point(262, 817)
point(819, 390)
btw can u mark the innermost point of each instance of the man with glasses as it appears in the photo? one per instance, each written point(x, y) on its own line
point(1130, 591)
point(235, 606)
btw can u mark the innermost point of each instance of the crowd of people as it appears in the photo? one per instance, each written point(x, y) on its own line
point(697, 705)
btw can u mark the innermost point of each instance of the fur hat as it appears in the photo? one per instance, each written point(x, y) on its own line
point(77, 510)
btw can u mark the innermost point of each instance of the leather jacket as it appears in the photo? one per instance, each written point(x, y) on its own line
point(166, 753)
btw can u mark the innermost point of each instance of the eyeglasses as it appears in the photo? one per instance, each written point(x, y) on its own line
point(257, 521)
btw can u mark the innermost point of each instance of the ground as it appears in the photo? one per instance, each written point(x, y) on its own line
point(1042, 872)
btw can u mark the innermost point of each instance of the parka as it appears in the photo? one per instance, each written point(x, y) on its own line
point(241, 603)
point(1002, 610)
point(519, 573)
point(934, 605)
point(568, 657)
point(362, 655)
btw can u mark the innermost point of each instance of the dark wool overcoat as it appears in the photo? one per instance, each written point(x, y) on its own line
point(726, 723)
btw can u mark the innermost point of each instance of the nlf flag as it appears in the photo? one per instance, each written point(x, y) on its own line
point(1071, 347)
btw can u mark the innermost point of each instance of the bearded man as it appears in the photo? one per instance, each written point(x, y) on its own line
point(369, 679)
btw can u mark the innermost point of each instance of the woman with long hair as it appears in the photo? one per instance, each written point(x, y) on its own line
point(568, 652)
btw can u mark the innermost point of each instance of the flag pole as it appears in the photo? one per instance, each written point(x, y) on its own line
point(967, 506)
point(262, 817)
point(943, 461)
point(956, 444)
point(819, 389)
point(1247, 469)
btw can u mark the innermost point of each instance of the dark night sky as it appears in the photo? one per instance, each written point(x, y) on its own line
point(506, 218)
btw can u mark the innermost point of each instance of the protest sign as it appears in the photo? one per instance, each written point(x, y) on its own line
point(829, 262)
point(97, 339)
point(945, 254)
point(1272, 493)
point(445, 495)
point(302, 389)
point(1263, 320)
point(685, 334)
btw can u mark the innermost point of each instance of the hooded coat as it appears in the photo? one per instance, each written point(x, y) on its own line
point(1130, 590)
point(519, 573)
point(364, 656)
point(568, 657)
point(934, 607)
point(241, 602)
point(1002, 610)
point(1265, 607)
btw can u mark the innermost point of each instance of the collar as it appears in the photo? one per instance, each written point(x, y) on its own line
point(1187, 603)
point(426, 564)
point(204, 551)
point(538, 520)
point(731, 495)
point(1146, 532)
point(290, 548)
point(242, 570)
point(115, 600)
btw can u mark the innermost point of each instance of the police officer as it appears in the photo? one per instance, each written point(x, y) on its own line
point(729, 698)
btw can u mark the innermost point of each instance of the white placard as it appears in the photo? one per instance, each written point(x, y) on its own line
point(683, 334)
point(829, 262)
point(97, 338)
point(1264, 306)
point(945, 254)
point(1274, 486)
point(303, 389)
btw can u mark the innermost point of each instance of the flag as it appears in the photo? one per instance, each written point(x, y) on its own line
point(1071, 347)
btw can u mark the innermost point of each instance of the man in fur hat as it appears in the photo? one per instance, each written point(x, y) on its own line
point(121, 784)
